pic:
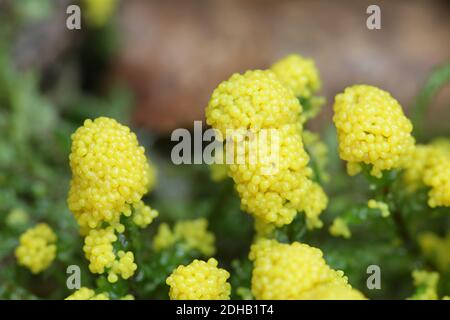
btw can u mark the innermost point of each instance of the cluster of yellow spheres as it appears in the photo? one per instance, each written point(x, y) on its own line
point(124, 266)
point(427, 282)
point(436, 249)
point(98, 12)
point(340, 228)
point(109, 172)
point(199, 280)
point(85, 293)
point(429, 165)
point(298, 74)
point(372, 129)
point(143, 215)
point(37, 248)
point(255, 101)
point(437, 177)
point(98, 249)
point(193, 234)
point(295, 271)
point(380, 205)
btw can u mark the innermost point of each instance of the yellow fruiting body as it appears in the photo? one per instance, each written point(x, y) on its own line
point(192, 233)
point(251, 102)
point(426, 283)
point(199, 280)
point(110, 172)
point(380, 205)
point(98, 12)
point(124, 266)
point(164, 237)
point(436, 249)
point(82, 294)
point(429, 165)
point(437, 177)
point(143, 215)
point(416, 165)
point(37, 248)
point(98, 249)
point(332, 291)
point(293, 271)
point(254, 100)
point(298, 74)
point(85, 293)
point(372, 129)
point(339, 228)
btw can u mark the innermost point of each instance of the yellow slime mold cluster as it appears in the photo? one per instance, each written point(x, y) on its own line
point(295, 271)
point(372, 129)
point(199, 280)
point(251, 102)
point(37, 248)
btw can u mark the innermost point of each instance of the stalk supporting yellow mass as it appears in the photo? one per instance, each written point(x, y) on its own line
point(372, 129)
point(295, 271)
point(199, 280)
point(37, 248)
point(257, 100)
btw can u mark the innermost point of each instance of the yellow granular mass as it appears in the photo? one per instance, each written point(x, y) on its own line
point(416, 164)
point(291, 271)
point(429, 165)
point(380, 205)
point(192, 233)
point(272, 187)
point(437, 177)
point(85, 293)
point(98, 12)
point(195, 234)
point(436, 249)
point(199, 280)
point(426, 284)
point(110, 172)
point(298, 74)
point(98, 249)
point(372, 129)
point(124, 266)
point(332, 291)
point(339, 228)
point(37, 248)
point(82, 294)
point(143, 215)
point(164, 237)
point(254, 100)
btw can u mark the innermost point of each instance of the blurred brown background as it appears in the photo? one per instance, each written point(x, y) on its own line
point(175, 52)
